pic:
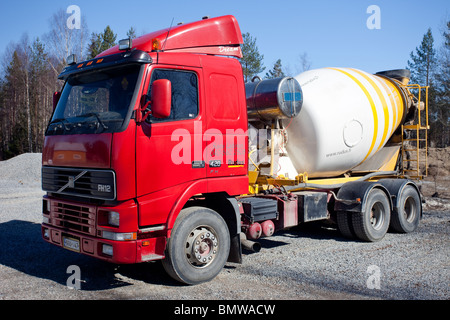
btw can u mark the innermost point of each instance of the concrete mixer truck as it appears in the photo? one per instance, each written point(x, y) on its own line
point(158, 150)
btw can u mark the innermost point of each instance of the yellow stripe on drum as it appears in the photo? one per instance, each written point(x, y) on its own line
point(392, 104)
point(372, 105)
point(383, 103)
point(398, 103)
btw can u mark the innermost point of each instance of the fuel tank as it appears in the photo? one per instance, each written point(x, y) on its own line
point(278, 98)
point(347, 116)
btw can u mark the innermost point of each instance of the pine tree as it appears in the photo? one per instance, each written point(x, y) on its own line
point(40, 92)
point(252, 59)
point(423, 62)
point(276, 72)
point(109, 38)
point(131, 33)
point(95, 45)
point(17, 105)
point(101, 42)
point(443, 90)
point(25, 98)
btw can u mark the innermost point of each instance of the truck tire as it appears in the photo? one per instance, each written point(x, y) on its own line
point(372, 224)
point(198, 247)
point(344, 224)
point(406, 218)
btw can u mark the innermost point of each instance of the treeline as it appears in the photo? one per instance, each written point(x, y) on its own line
point(431, 67)
point(25, 98)
point(31, 66)
point(29, 79)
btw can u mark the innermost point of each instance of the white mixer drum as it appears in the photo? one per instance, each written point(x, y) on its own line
point(346, 117)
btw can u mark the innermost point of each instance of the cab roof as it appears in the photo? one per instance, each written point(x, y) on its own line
point(217, 36)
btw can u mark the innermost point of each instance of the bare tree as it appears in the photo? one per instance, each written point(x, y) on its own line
point(304, 62)
point(24, 49)
point(25, 97)
point(16, 102)
point(63, 41)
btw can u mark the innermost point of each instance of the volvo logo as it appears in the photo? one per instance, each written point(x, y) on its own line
point(71, 182)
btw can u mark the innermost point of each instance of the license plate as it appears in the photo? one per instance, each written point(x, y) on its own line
point(71, 244)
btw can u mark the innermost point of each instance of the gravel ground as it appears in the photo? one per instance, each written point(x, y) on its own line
point(304, 263)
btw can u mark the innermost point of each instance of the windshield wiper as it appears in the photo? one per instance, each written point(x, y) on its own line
point(94, 114)
point(63, 122)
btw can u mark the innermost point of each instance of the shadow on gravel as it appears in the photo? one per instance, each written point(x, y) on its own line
point(23, 249)
point(317, 231)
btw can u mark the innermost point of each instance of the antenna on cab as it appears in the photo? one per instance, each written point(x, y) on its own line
point(167, 36)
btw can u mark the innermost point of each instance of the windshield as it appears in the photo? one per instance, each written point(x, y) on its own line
point(95, 102)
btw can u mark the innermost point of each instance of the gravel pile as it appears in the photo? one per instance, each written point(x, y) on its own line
point(23, 169)
point(20, 188)
point(308, 262)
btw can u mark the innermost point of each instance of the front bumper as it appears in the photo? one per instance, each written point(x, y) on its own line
point(123, 252)
point(83, 228)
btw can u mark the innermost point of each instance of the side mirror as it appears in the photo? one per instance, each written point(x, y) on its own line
point(56, 97)
point(161, 98)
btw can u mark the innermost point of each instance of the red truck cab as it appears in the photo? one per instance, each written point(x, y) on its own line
point(119, 168)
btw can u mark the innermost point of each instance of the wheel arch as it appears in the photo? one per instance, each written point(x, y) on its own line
point(222, 203)
point(396, 187)
point(350, 192)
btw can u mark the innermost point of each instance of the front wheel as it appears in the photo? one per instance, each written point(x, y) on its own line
point(198, 247)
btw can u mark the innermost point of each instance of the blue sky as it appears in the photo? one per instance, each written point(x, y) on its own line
point(332, 33)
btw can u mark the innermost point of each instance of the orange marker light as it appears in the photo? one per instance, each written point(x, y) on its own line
point(156, 44)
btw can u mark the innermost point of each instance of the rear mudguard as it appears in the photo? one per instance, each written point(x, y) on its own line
point(396, 187)
point(352, 196)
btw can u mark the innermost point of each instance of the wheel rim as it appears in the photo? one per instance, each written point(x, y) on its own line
point(377, 215)
point(202, 246)
point(409, 210)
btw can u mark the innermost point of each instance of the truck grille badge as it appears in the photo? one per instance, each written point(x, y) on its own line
point(71, 182)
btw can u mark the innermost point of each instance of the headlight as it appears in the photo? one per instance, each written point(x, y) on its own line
point(113, 218)
point(107, 249)
point(126, 236)
point(46, 234)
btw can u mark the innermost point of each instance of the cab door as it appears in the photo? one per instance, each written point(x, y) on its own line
point(169, 151)
point(226, 131)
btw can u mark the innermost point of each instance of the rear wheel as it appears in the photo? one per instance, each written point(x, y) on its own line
point(344, 224)
point(373, 223)
point(406, 218)
point(198, 247)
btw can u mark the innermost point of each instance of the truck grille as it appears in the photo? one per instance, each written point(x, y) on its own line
point(94, 184)
point(73, 217)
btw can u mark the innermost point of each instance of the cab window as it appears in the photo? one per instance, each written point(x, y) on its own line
point(184, 94)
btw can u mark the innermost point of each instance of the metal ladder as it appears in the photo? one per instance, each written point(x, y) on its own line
point(415, 138)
